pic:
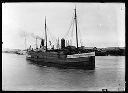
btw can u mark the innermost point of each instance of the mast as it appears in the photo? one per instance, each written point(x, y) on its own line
point(76, 28)
point(45, 33)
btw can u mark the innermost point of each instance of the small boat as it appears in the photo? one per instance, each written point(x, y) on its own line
point(64, 57)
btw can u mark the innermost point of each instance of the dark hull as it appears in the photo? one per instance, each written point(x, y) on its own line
point(80, 63)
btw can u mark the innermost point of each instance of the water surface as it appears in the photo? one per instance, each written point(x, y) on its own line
point(20, 74)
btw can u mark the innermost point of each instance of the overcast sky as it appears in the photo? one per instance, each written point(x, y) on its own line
point(99, 24)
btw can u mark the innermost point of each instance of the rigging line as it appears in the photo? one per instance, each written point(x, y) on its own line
point(48, 30)
point(69, 28)
point(50, 35)
point(68, 31)
point(72, 30)
point(79, 34)
point(72, 25)
point(71, 34)
point(51, 38)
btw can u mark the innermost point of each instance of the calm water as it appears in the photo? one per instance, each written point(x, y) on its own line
point(19, 74)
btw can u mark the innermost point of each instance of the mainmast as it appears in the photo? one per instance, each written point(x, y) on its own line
point(45, 34)
point(76, 28)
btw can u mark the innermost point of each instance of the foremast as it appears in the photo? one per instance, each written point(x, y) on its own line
point(45, 33)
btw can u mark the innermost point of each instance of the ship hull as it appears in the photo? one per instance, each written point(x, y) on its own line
point(87, 62)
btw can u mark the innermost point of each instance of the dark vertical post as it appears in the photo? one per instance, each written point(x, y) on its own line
point(76, 28)
point(45, 33)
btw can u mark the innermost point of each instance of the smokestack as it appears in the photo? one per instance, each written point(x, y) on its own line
point(42, 42)
point(62, 43)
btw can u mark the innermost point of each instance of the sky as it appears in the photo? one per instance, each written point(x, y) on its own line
point(99, 24)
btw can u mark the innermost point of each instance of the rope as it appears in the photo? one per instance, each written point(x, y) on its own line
point(69, 28)
point(79, 33)
point(72, 30)
point(52, 37)
point(72, 33)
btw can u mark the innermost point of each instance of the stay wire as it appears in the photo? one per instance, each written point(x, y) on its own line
point(69, 27)
point(50, 36)
point(72, 30)
point(80, 36)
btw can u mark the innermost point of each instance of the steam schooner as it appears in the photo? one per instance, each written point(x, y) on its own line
point(66, 57)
